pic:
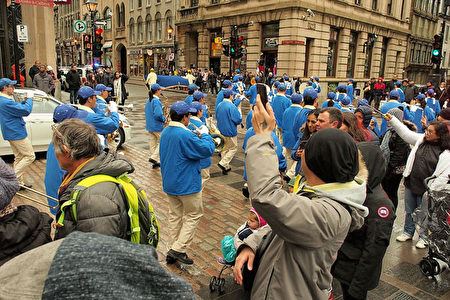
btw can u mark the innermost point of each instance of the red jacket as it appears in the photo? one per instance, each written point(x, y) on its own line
point(380, 86)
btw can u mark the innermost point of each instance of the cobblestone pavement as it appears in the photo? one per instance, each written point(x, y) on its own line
point(225, 209)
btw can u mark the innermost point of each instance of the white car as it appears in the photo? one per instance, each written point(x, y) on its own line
point(39, 122)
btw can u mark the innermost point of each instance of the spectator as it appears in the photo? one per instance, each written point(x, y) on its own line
point(73, 80)
point(43, 81)
point(120, 91)
point(34, 69)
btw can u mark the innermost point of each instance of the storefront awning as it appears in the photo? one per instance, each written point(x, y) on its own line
point(107, 44)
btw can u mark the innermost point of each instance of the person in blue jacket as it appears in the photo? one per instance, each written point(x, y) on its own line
point(248, 120)
point(331, 101)
point(13, 127)
point(350, 89)
point(346, 104)
point(279, 104)
point(154, 119)
point(103, 94)
point(252, 91)
point(181, 153)
point(192, 88)
point(228, 118)
point(237, 75)
point(238, 86)
point(201, 97)
point(419, 113)
point(401, 94)
point(198, 126)
point(392, 103)
point(310, 103)
point(289, 87)
point(226, 85)
point(341, 92)
point(315, 84)
point(289, 138)
point(432, 102)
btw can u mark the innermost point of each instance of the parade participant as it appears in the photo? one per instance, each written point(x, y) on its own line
point(309, 103)
point(315, 84)
point(13, 127)
point(279, 104)
point(331, 101)
point(238, 86)
point(307, 229)
point(73, 79)
point(199, 127)
point(120, 91)
point(101, 207)
point(401, 94)
point(43, 81)
point(419, 113)
point(226, 85)
point(237, 74)
point(181, 152)
point(155, 119)
point(428, 150)
point(102, 106)
point(23, 227)
point(289, 87)
point(392, 103)
point(432, 103)
point(228, 118)
point(151, 78)
point(289, 137)
point(350, 90)
point(341, 92)
point(346, 104)
point(201, 97)
point(359, 260)
point(192, 88)
point(252, 92)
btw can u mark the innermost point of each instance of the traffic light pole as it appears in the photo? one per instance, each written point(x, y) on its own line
point(93, 38)
point(14, 8)
point(232, 38)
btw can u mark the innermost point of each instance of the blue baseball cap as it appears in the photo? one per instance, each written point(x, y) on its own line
point(281, 87)
point(316, 78)
point(238, 71)
point(310, 93)
point(86, 91)
point(341, 88)
point(331, 95)
point(155, 87)
point(285, 77)
point(398, 83)
point(6, 81)
point(101, 87)
point(394, 95)
point(430, 92)
point(227, 83)
point(197, 106)
point(276, 84)
point(64, 111)
point(193, 87)
point(363, 102)
point(227, 93)
point(350, 80)
point(296, 98)
point(420, 97)
point(198, 95)
point(346, 100)
point(182, 108)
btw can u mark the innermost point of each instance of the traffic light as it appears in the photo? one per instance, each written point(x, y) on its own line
point(233, 46)
point(97, 47)
point(436, 52)
point(240, 47)
point(226, 50)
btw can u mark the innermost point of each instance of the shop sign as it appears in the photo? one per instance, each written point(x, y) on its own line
point(292, 42)
point(271, 42)
point(134, 52)
point(171, 56)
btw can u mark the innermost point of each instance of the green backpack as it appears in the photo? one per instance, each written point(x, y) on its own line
point(144, 225)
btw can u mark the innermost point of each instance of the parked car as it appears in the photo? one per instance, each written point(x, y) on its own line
point(39, 123)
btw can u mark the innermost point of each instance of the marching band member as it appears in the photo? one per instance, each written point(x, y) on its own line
point(155, 120)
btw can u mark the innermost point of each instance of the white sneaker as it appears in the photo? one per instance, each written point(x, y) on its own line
point(403, 237)
point(421, 244)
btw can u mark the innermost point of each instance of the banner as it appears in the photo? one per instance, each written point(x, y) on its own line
point(62, 1)
point(47, 3)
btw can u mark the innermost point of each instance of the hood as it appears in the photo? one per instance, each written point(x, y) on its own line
point(367, 114)
point(106, 163)
point(374, 162)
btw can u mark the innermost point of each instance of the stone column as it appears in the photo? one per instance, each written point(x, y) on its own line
point(360, 56)
point(343, 53)
point(203, 48)
point(253, 46)
point(291, 57)
point(181, 39)
point(376, 57)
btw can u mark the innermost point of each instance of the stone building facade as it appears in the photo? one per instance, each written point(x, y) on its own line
point(334, 40)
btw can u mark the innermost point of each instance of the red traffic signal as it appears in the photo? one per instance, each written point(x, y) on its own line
point(98, 31)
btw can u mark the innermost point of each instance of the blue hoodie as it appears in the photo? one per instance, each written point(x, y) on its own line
point(279, 105)
point(219, 99)
point(350, 91)
point(11, 117)
point(181, 151)
point(228, 117)
point(401, 95)
point(289, 138)
point(415, 116)
point(154, 116)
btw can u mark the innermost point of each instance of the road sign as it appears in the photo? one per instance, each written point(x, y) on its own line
point(79, 26)
point(100, 23)
point(22, 33)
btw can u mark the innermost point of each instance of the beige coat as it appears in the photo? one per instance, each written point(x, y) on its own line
point(309, 232)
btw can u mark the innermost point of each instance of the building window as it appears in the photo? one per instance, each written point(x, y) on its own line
point(139, 3)
point(389, 7)
point(352, 54)
point(384, 49)
point(215, 1)
point(158, 27)
point(140, 30)
point(131, 4)
point(149, 2)
point(169, 24)
point(411, 54)
point(118, 14)
point(132, 35)
point(374, 4)
point(358, 2)
point(308, 46)
point(122, 15)
point(369, 52)
point(107, 13)
point(194, 3)
point(148, 28)
point(444, 58)
point(332, 52)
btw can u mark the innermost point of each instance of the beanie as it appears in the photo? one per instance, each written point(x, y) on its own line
point(332, 155)
point(396, 113)
point(261, 221)
point(445, 114)
point(8, 184)
point(366, 111)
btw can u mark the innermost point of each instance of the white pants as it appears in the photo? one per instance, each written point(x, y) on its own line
point(23, 157)
point(228, 151)
point(154, 145)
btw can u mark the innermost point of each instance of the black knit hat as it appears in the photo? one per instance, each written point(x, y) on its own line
point(332, 155)
point(367, 114)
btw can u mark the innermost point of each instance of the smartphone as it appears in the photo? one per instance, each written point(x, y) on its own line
point(262, 92)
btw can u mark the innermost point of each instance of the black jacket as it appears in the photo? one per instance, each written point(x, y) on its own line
point(73, 80)
point(23, 230)
point(33, 71)
point(359, 260)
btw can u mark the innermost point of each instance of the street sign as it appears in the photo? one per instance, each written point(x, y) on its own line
point(79, 26)
point(22, 33)
point(171, 56)
point(100, 23)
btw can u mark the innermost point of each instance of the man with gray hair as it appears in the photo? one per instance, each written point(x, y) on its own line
point(101, 207)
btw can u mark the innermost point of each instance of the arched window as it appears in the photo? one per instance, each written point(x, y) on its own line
point(158, 26)
point(148, 28)
point(122, 15)
point(132, 37)
point(118, 14)
point(169, 25)
point(107, 13)
point(140, 30)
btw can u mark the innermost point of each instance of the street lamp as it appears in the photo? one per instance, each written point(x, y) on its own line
point(170, 31)
point(91, 6)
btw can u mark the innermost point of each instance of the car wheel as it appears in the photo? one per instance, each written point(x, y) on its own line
point(116, 139)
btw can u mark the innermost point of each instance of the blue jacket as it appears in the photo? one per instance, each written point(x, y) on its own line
point(236, 87)
point(279, 104)
point(252, 93)
point(376, 128)
point(336, 104)
point(350, 91)
point(384, 109)
point(11, 117)
point(416, 116)
point(228, 117)
point(401, 95)
point(205, 113)
point(189, 99)
point(53, 177)
point(101, 106)
point(289, 88)
point(154, 116)
point(219, 99)
point(301, 119)
point(278, 150)
point(195, 123)
point(434, 105)
point(340, 96)
point(103, 125)
point(316, 86)
point(289, 138)
point(180, 152)
point(248, 120)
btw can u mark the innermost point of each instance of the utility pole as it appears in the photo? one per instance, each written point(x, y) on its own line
point(14, 8)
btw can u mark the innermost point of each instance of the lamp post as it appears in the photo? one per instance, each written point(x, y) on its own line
point(170, 35)
point(91, 6)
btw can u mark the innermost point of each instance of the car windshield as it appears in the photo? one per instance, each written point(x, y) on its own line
point(41, 104)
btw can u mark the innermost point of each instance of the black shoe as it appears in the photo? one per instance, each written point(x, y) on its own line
point(152, 161)
point(286, 178)
point(181, 257)
point(156, 165)
point(224, 171)
point(245, 192)
point(26, 185)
